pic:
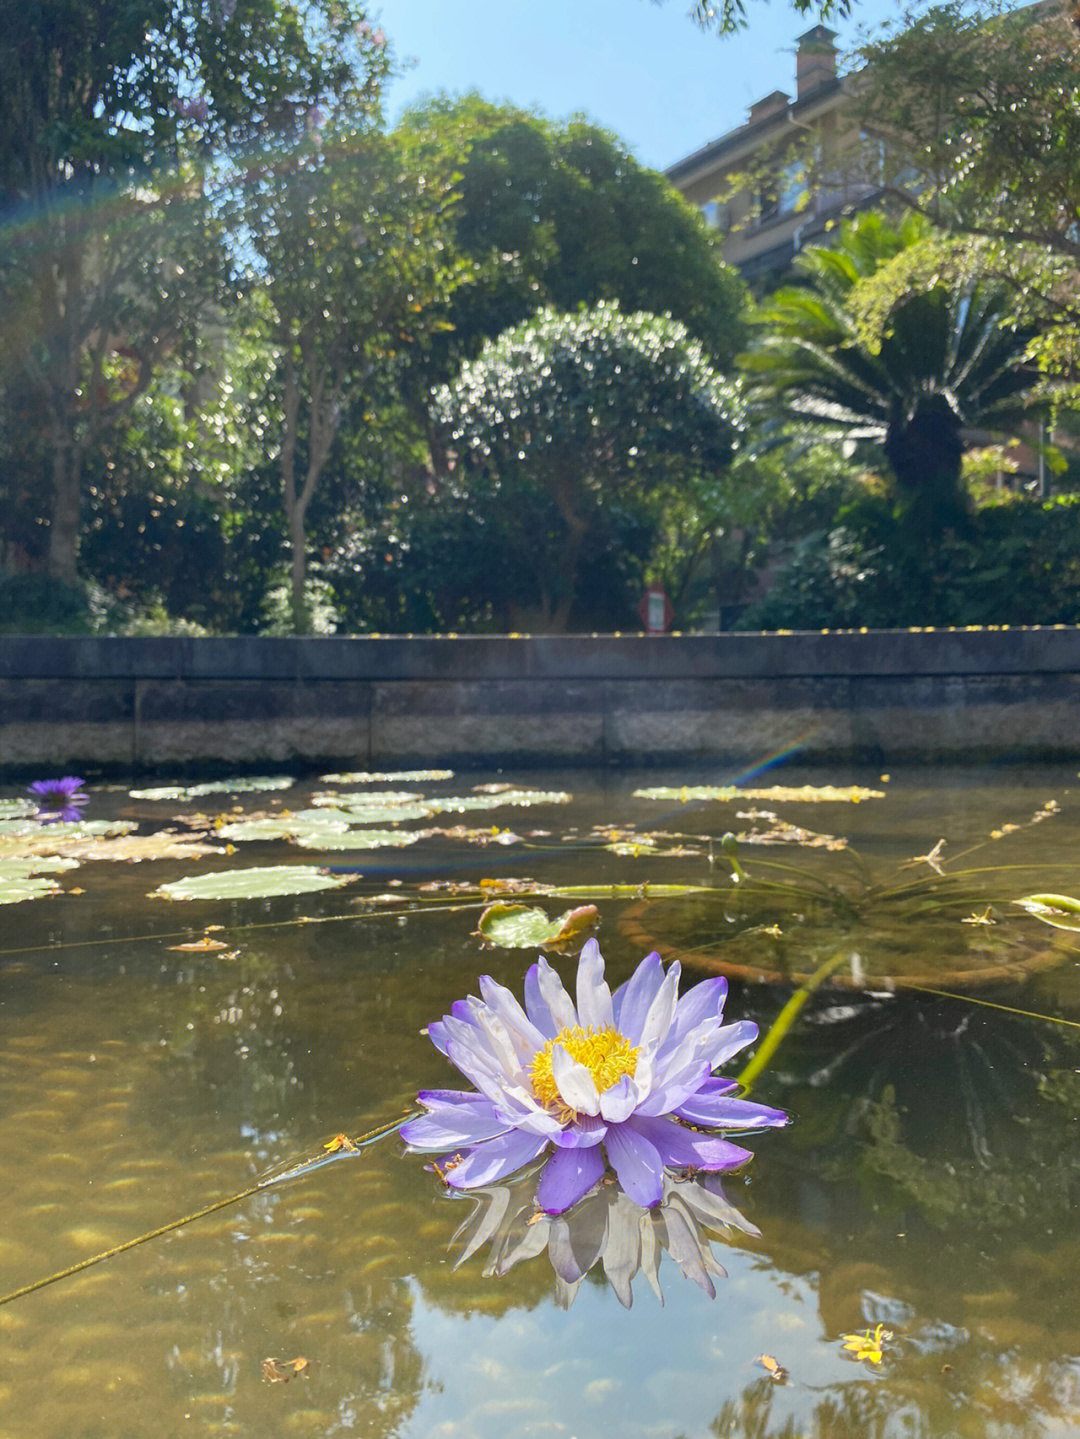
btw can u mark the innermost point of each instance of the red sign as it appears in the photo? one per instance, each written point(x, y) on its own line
point(656, 611)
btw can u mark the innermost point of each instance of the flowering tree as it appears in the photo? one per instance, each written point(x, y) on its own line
point(568, 414)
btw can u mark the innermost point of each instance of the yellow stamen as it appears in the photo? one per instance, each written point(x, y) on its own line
point(605, 1053)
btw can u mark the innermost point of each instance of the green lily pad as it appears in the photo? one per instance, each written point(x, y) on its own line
point(14, 891)
point(521, 926)
point(364, 798)
point(65, 829)
point(1053, 909)
point(240, 785)
point(357, 838)
point(16, 808)
point(400, 776)
point(383, 813)
point(252, 883)
point(269, 827)
point(517, 797)
point(15, 867)
point(799, 794)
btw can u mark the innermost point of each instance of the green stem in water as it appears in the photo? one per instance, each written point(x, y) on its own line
point(777, 1031)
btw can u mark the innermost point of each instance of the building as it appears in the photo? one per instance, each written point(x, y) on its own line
point(775, 183)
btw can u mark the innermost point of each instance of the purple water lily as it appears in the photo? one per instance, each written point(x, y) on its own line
point(625, 1076)
point(59, 799)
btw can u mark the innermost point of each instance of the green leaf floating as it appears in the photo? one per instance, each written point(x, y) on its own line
point(521, 926)
point(399, 776)
point(252, 883)
point(1054, 909)
point(25, 878)
point(15, 808)
point(240, 785)
point(800, 794)
point(266, 827)
point(357, 838)
point(459, 804)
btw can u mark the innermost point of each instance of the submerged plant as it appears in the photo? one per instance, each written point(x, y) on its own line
point(59, 799)
point(624, 1076)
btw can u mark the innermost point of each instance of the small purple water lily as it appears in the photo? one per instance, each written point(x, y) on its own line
point(59, 799)
point(625, 1075)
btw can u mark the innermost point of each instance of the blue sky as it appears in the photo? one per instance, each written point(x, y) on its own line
point(641, 69)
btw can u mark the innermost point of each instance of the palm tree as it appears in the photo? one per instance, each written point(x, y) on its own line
point(945, 360)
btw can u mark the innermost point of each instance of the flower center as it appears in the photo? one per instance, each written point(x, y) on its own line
point(605, 1053)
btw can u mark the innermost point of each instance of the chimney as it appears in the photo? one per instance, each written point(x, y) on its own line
point(771, 104)
point(815, 60)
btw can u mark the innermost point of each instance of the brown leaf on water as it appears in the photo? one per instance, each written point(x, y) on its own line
point(776, 1371)
point(206, 943)
point(280, 1371)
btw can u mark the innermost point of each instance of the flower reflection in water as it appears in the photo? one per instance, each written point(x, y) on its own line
point(59, 800)
point(605, 1228)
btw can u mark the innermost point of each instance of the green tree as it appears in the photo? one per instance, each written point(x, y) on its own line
point(568, 418)
point(942, 359)
point(980, 106)
point(110, 111)
point(561, 214)
point(351, 241)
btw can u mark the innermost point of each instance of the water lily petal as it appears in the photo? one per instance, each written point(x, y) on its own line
point(495, 1159)
point(536, 1006)
point(586, 1130)
point(526, 1036)
point(593, 996)
point(662, 1010)
point(719, 1109)
point(559, 1004)
point(730, 1039)
point(665, 1097)
point(620, 1101)
point(631, 1001)
point(567, 1176)
point(637, 1163)
point(705, 1002)
point(574, 1082)
point(683, 1148)
point(453, 1126)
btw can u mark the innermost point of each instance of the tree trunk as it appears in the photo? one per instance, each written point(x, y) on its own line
point(63, 556)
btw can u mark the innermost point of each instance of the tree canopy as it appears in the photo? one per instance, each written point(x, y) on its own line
point(561, 214)
point(567, 415)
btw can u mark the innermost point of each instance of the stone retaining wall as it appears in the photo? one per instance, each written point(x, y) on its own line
point(130, 704)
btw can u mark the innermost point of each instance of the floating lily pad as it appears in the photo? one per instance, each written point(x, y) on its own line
point(14, 891)
point(16, 808)
point(64, 829)
point(368, 797)
point(521, 926)
point(252, 883)
point(1054, 909)
point(518, 797)
point(358, 838)
point(382, 813)
point(800, 794)
point(285, 826)
point(401, 776)
point(239, 785)
point(13, 867)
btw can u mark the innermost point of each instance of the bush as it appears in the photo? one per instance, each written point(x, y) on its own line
point(35, 604)
point(1017, 564)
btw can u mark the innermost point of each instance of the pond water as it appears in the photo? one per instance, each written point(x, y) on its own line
point(928, 1182)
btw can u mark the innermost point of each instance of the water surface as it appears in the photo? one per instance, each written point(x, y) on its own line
point(929, 1180)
